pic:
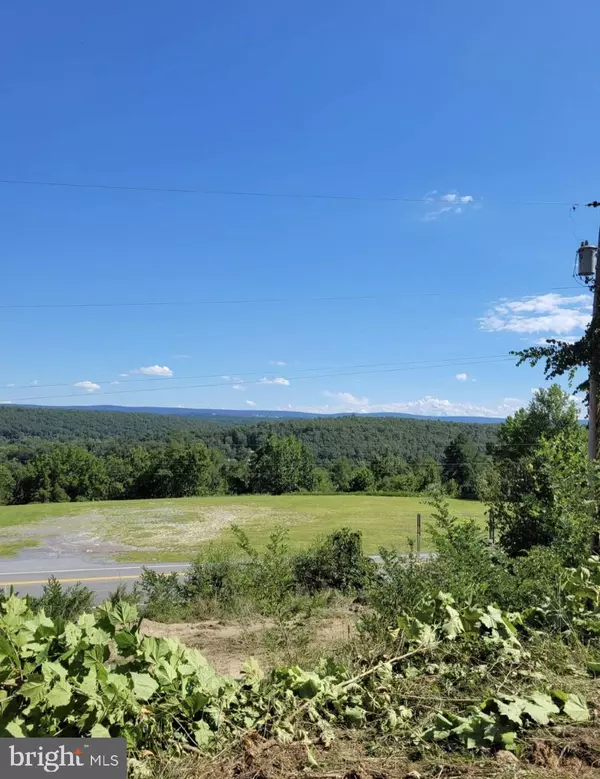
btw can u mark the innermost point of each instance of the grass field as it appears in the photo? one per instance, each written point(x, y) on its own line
point(171, 530)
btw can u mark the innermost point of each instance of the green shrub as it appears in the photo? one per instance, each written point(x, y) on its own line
point(65, 603)
point(163, 595)
point(215, 575)
point(336, 563)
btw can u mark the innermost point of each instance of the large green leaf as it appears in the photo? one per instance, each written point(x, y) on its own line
point(59, 695)
point(540, 708)
point(144, 686)
point(99, 731)
point(576, 709)
point(16, 728)
point(35, 690)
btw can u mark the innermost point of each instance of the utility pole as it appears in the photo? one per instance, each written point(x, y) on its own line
point(587, 267)
point(588, 259)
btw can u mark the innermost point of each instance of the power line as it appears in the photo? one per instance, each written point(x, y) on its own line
point(252, 301)
point(288, 195)
point(234, 374)
point(259, 381)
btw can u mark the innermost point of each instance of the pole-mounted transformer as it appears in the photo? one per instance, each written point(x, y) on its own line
point(587, 256)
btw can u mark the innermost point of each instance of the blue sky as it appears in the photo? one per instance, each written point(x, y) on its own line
point(477, 109)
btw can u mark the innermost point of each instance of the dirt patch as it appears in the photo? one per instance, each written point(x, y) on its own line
point(351, 757)
point(109, 531)
point(227, 645)
point(70, 536)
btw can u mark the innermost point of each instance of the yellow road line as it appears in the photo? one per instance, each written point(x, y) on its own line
point(89, 579)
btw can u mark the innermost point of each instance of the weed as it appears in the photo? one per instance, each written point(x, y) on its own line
point(66, 603)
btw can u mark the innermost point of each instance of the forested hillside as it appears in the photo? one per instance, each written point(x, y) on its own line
point(19, 423)
point(355, 437)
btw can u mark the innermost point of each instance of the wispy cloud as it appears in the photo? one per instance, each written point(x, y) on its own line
point(182, 356)
point(239, 387)
point(155, 370)
point(462, 376)
point(425, 406)
point(281, 363)
point(347, 398)
point(277, 380)
point(87, 386)
point(250, 403)
point(34, 383)
point(550, 313)
point(11, 385)
point(448, 203)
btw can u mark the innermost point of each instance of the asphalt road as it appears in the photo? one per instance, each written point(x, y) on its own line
point(102, 578)
point(28, 576)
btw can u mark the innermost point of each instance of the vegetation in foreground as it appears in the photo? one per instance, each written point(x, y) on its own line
point(477, 651)
point(508, 649)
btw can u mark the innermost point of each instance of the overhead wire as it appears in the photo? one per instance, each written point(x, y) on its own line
point(233, 380)
point(288, 195)
point(258, 381)
point(252, 301)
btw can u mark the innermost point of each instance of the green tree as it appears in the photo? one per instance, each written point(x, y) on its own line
point(7, 484)
point(362, 480)
point(538, 488)
point(63, 473)
point(182, 470)
point(340, 472)
point(461, 464)
point(282, 465)
point(427, 474)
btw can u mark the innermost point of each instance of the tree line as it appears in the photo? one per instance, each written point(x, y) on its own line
point(56, 472)
point(359, 438)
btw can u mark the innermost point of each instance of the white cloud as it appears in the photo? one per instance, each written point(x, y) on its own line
point(550, 313)
point(278, 380)
point(115, 382)
point(155, 370)
point(88, 386)
point(123, 375)
point(250, 403)
point(5, 402)
point(239, 387)
point(281, 363)
point(454, 197)
point(426, 406)
point(34, 383)
point(462, 376)
point(182, 356)
point(347, 397)
point(11, 385)
point(454, 201)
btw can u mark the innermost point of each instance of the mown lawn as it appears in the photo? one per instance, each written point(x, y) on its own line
point(175, 529)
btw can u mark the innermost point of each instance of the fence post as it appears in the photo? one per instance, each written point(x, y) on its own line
point(418, 535)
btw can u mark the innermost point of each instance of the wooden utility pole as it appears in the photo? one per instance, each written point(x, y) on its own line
point(588, 267)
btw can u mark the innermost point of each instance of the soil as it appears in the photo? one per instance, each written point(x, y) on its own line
point(227, 645)
point(571, 754)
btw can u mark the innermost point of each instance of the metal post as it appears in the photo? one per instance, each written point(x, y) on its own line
point(418, 535)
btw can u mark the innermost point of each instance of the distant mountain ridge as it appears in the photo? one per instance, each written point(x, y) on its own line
point(210, 413)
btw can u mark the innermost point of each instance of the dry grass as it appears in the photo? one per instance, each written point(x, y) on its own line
point(572, 753)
